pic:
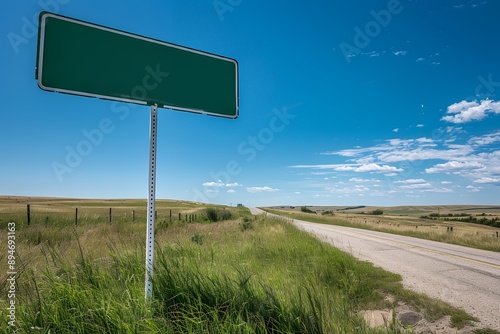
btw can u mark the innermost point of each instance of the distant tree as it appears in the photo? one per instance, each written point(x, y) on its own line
point(211, 214)
point(306, 209)
point(377, 212)
point(217, 214)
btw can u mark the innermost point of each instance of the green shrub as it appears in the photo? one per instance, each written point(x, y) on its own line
point(223, 214)
point(217, 214)
point(211, 214)
point(246, 224)
point(197, 238)
point(306, 209)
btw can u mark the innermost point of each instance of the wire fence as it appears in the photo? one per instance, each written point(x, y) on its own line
point(35, 214)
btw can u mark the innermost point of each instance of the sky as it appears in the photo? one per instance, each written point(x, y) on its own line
point(340, 103)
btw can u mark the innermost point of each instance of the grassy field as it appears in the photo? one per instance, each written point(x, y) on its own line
point(406, 221)
point(242, 275)
point(52, 210)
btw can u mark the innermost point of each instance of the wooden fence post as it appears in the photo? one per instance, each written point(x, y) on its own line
point(76, 216)
point(133, 215)
point(170, 215)
point(28, 213)
point(110, 216)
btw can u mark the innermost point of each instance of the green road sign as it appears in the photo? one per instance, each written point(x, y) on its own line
point(82, 58)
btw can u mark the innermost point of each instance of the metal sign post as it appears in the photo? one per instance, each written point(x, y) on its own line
point(150, 232)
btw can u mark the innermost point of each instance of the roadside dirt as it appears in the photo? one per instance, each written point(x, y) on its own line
point(405, 317)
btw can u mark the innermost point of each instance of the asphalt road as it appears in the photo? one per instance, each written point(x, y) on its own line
point(464, 277)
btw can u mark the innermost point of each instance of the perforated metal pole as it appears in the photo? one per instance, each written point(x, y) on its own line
point(150, 232)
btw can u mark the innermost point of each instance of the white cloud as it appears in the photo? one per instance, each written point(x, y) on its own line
point(419, 185)
point(400, 53)
point(359, 180)
point(488, 180)
point(400, 142)
point(214, 184)
point(366, 160)
point(344, 168)
point(481, 167)
point(377, 168)
point(439, 190)
point(359, 168)
point(372, 53)
point(473, 189)
point(220, 184)
point(420, 125)
point(356, 179)
point(420, 59)
point(454, 167)
point(231, 191)
point(357, 189)
point(449, 151)
point(326, 166)
point(464, 111)
point(421, 153)
point(403, 150)
point(425, 140)
point(485, 139)
point(353, 152)
point(261, 189)
point(470, 4)
point(395, 130)
point(458, 107)
point(411, 181)
point(416, 186)
point(335, 167)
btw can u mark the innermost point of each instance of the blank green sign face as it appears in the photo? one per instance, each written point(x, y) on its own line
point(81, 58)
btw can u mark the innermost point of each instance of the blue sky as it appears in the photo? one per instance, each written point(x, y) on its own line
point(341, 103)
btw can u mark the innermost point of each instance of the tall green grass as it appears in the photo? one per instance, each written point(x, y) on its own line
point(270, 278)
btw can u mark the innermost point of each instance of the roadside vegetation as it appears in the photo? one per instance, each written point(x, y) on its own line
point(465, 217)
point(237, 274)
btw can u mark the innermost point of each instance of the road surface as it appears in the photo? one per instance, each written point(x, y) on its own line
point(464, 277)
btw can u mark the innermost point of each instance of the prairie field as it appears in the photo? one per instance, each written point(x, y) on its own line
point(217, 270)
